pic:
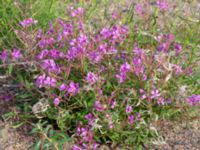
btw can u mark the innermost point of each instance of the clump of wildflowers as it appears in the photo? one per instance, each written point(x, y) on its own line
point(70, 60)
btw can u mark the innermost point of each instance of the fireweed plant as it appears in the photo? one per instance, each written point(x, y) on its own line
point(102, 87)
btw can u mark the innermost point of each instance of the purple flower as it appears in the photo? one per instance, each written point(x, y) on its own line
point(144, 96)
point(102, 48)
point(115, 15)
point(170, 38)
point(160, 101)
point(54, 53)
point(6, 98)
point(95, 146)
point(82, 39)
point(141, 91)
point(138, 51)
point(85, 134)
point(40, 80)
point(16, 54)
point(56, 101)
point(43, 81)
point(63, 87)
point(43, 54)
point(4, 55)
point(178, 69)
point(39, 34)
point(100, 92)
point(105, 32)
point(189, 71)
point(193, 100)
point(112, 50)
point(137, 61)
point(75, 147)
point(95, 57)
point(121, 77)
point(48, 63)
point(138, 66)
point(138, 9)
point(155, 94)
point(59, 37)
point(129, 109)
point(28, 22)
point(50, 81)
point(80, 11)
point(50, 41)
point(131, 119)
point(162, 5)
point(42, 43)
point(163, 47)
point(77, 12)
point(81, 25)
point(113, 104)
point(90, 118)
point(110, 126)
point(139, 70)
point(115, 33)
point(138, 115)
point(73, 88)
point(98, 106)
point(178, 48)
point(125, 68)
point(169, 101)
point(50, 66)
point(50, 28)
point(92, 78)
point(144, 77)
point(72, 53)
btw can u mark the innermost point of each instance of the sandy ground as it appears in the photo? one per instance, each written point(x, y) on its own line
point(183, 135)
point(11, 138)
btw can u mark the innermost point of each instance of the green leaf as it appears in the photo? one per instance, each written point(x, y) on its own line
point(18, 124)
point(36, 146)
point(10, 69)
point(8, 115)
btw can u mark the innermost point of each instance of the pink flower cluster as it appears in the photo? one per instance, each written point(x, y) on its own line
point(193, 100)
point(86, 139)
point(163, 5)
point(28, 22)
point(15, 55)
point(46, 81)
point(92, 78)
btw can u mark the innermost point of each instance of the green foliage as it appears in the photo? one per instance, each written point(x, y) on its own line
point(50, 138)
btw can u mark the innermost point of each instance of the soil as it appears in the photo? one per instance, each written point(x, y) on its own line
point(183, 135)
point(13, 138)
